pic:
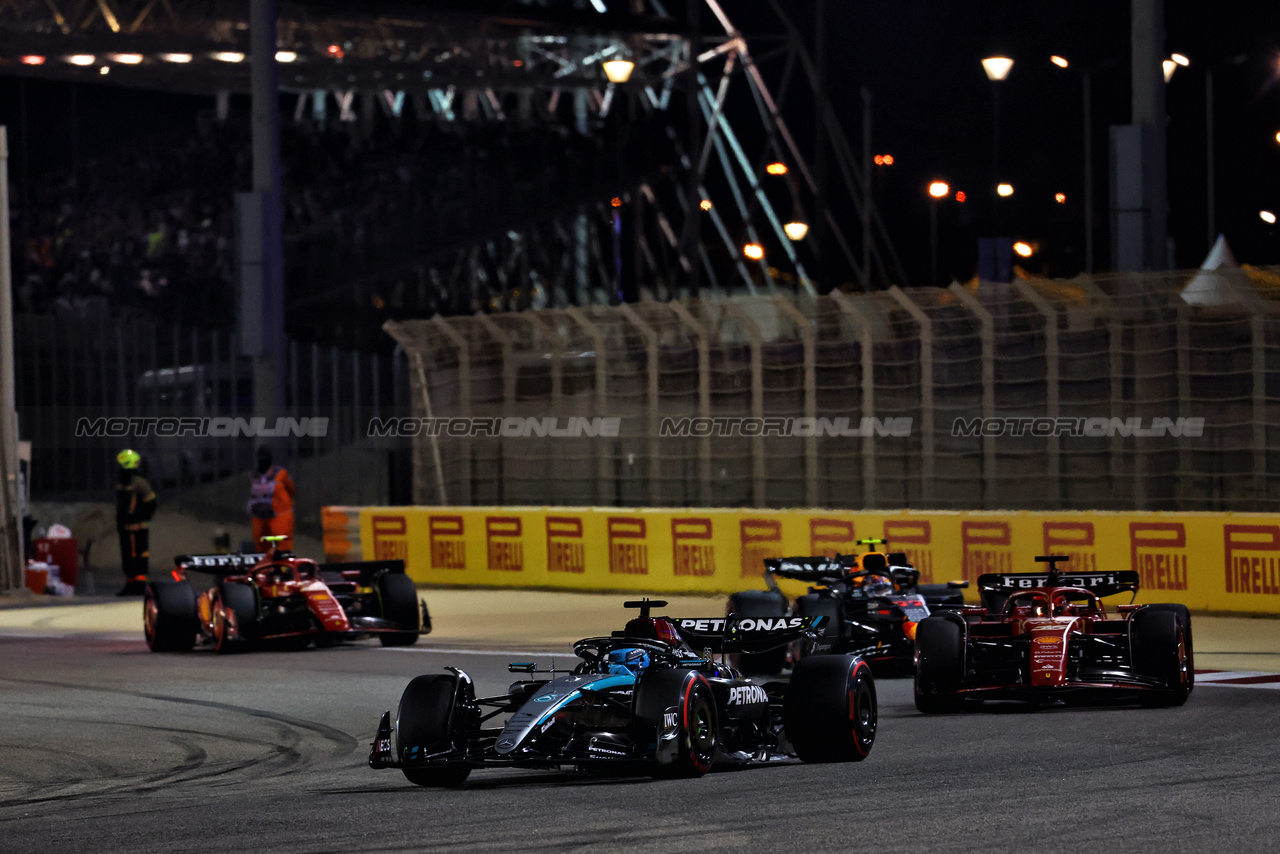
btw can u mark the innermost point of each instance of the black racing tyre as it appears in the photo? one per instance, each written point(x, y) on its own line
point(759, 603)
point(830, 711)
point(697, 722)
point(1161, 651)
point(169, 618)
point(430, 718)
point(1184, 617)
point(814, 605)
point(399, 598)
point(939, 665)
point(242, 600)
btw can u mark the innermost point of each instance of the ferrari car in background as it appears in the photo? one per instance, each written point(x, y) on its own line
point(872, 601)
point(278, 599)
point(1047, 638)
point(650, 699)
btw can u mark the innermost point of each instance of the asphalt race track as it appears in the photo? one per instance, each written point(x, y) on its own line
point(106, 747)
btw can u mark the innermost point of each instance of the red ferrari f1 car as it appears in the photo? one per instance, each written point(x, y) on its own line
point(1047, 638)
point(278, 599)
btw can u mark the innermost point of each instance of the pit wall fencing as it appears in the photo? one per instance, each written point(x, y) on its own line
point(1221, 562)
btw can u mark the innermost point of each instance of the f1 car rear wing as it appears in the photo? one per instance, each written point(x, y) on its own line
point(746, 634)
point(219, 565)
point(815, 570)
point(1100, 583)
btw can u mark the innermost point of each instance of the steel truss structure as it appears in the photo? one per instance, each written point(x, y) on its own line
point(537, 62)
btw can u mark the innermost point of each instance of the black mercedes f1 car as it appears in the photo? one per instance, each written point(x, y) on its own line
point(651, 699)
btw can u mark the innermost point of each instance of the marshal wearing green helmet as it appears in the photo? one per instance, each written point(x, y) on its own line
point(135, 505)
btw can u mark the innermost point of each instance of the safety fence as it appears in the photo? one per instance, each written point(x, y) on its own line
point(1110, 392)
point(1207, 561)
point(75, 374)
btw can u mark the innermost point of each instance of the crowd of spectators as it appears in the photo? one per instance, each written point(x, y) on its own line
point(152, 228)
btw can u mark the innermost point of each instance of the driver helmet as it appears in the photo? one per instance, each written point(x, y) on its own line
point(877, 585)
point(626, 661)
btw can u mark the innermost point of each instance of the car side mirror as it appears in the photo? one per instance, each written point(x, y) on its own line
point(521, 667)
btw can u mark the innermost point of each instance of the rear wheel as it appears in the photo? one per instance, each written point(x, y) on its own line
point(169, 618)
point(830, 710)
point(696, 725)
point(759, 603)
point(1161, 650)
point(430, 720)
point(399, 599)
point(240, 600)
point(939, 666)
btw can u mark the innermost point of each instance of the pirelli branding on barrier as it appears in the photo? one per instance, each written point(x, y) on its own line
point(758, 539)
point(566, 551)
point(914, 537)
point(1219, 562)
point(1158, 553)
point(1252, 553)
point(986, 547)
point(503, 543)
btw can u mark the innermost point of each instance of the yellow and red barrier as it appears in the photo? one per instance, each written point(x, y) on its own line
point(1209, 561)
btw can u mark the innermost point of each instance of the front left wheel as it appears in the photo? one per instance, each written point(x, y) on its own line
point(677, 705)
point(431, 719)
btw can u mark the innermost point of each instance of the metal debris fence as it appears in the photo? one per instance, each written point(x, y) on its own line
point(1117, 348)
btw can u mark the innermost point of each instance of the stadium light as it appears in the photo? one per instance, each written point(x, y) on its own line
point(229, 56)
point(106, 69)
point(286, 56)
point(1180, 59)
point(618, 70)
point(796, 230)
point(180, 58)
point(776, 168)
point(1060, 198)
point(126, 58)
point(81, 59)
point(1268, 217)
point(997, 67)
point(938, 189)
point(705, 204)
point(1004, 189)
point(1059, 61)
point(754, 251)
point(1169, 67)
point(33, 59)
point(1023, 249)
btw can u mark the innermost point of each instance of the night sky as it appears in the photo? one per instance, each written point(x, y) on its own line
point(933, 112)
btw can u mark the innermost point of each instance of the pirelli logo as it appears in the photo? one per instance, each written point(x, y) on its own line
point(985, 548)
point(628, 551)
point(390, 538)
point(565, 550)
point(448, 546)
point(1252, 554)
point(760, 538)
point(691, 550)
point(912, 536)
point(503, 543)
point(1073, 539)
point(830, 537)
point(1157, 552)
